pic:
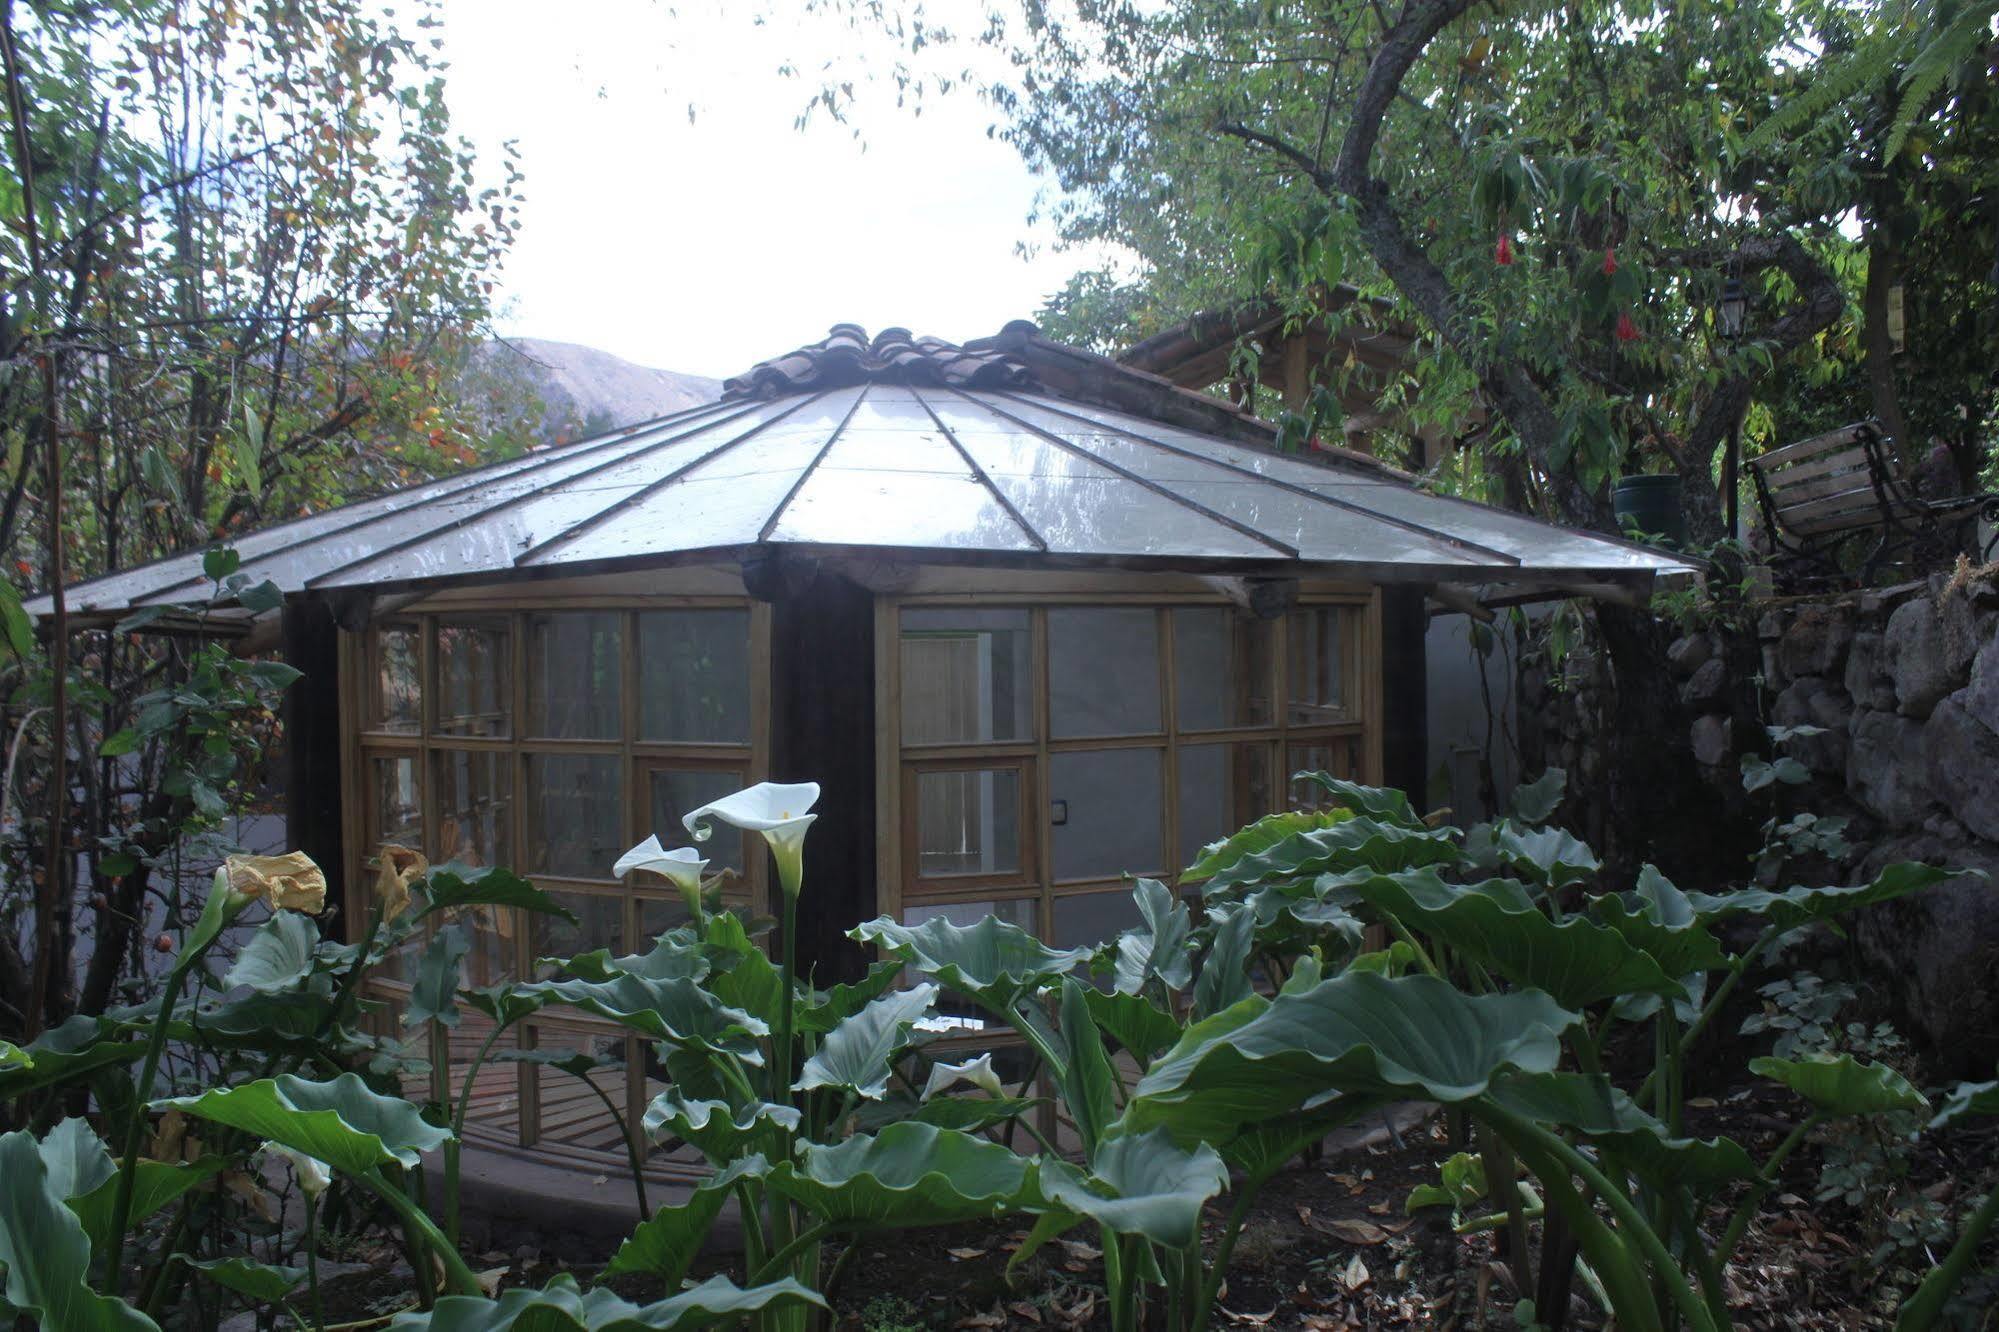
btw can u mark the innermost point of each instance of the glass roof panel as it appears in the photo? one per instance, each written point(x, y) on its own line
point(1079, 505)
point(897, 486)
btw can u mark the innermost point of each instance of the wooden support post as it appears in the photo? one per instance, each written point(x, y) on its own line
point(313, 806)
point(822, 690)
point(1405, 701)
point(1297, 374)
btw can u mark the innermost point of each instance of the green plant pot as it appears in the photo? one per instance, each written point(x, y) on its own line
point(1652, 505)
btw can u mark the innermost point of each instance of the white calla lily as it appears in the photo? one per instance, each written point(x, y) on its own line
point(682, 866)
point(314, 1175)
point(978, 1072)
point(780, 811)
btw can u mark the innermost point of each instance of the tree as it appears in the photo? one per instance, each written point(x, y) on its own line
point(243, 253)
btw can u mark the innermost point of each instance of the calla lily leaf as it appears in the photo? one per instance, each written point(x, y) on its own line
point(74, 1049)
point(743, 976)
point(13, 1056)
point(1612, 1120)
point(505, 1004)
point(1968, 1098)
point(678, 1011)
point(1576, 960)
point(964, 1114)
point(1534, 803)
point(1133, 1021)
point(670, 958)
point(46, 1254)
point(1842, 1085)
point(909, 1174)
point(1261, 835)
point(561, 1306)
point(1661, 922)
point(1262, 1149)
point(278, 956)
point(667, 1243)
point(992, 961)
point(156, 1184)
point(1225, 977)
point(1550, 857)
point(1143, 1184)
point(1382, 803)
point(1157, 947)
point(1349, 844)
point(827, 1009)
point(76, 1159)
point(859, 1054)
point(265, 1283)
point(434, 993)
point(1802, 906)
point(1356, 1033)
point(342, 1122)
point(718, 1132)
point(453, 886)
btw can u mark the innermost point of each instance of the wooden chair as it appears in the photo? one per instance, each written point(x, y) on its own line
point(1819, 495)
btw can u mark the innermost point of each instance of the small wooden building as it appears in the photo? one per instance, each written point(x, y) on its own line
point(1034, 619)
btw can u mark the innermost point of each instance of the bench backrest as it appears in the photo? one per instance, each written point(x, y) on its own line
point(1822, 485)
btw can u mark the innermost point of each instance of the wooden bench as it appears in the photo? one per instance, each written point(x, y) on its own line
point(1822, 493)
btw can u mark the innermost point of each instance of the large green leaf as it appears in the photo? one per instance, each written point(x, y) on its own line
point(1141, 1184)
point(677, 1010)
point(1606, 1116)
point(1534, 803)
point(1157, 947)
point(667, 1243)
point(909, 1174)
point(670, 958)
point(1350, 844)
point(266, 1283)
point(278, 956)
point(434, 993)
point(1575, 959)
point(1841, 1084)
point(1382, 803)
point(1260, 1149)
point(824, 1010)
point(1089, 1087)
point(453, 886)
point(1133, 1021)
point(154, 1185)
point(343, 1122)
point(1661, 922)
point(14, 1057)
point(1550, 857)
point(1968, 1098)
point(1356, 1033)
point(45, 1252)
point(859, 1054)
point(1225, 978)
point(1265, 833)
point(74, 1049)
point(992, 961)
point(1801, 906)
point(719, 1132)
point(743, 976)
point(505, 1003)
point(561, 1306)
point(76, 1159)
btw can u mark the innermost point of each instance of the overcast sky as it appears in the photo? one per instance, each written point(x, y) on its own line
point(706, 247)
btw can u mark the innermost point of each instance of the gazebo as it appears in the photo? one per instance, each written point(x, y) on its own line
point(1035, 620)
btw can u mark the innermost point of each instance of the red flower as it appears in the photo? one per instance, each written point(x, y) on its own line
point(1503, 252)
point(1626, 330)
point(1609, 261)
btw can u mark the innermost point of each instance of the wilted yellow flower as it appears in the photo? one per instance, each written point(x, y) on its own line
point(400, 868)
point(290, 881)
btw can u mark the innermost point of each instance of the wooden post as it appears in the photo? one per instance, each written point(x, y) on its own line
point(314, 812)
point(822, 712)
point(1297, 373)
point(1405, 691)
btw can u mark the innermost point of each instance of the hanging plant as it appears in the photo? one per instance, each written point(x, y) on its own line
point(1609, 260)
point(1626, 330)
point(1502, 253)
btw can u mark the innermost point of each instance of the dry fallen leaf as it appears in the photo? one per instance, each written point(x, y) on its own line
point(1304, 1214)
point(489, 1280)
point(1355, 1232)
point(1079, 1313)
point(1022, 1309)
point(1381, 1208)
point(981, 1320)
point(1355, 1274)
point(1254, 1319)
point(963, 1255)
point(1081, 1250)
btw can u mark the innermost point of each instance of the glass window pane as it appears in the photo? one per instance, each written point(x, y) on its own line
point(475, 796)
point(1088, 919)
point(966, 676)
point(576, 675)
point(395, 812)
point(576, 812)
point(1318, 683)
point(672, 792)
point(395, 680)
point(1222, 787)
point(657, 915)
point(1104, 806)
point(1103, 671)
point(600, 924)
point(694, 676)
point(474, 677)
point(968, 822)
point(1222, 672)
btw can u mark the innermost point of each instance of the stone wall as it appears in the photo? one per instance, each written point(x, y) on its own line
point(1904, 686)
